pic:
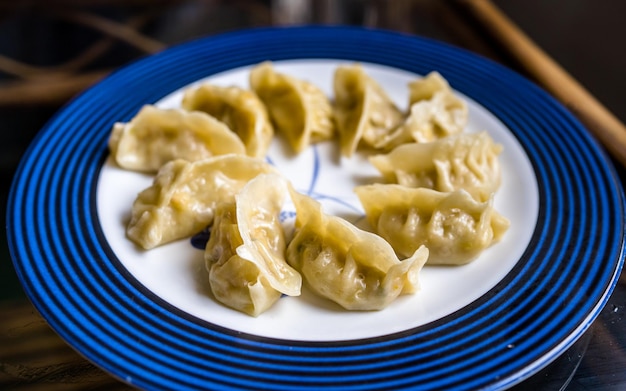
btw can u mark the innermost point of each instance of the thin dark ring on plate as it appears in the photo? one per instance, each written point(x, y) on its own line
point(539, 309)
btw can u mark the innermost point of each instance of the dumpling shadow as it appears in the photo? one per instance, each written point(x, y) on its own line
point(201, 275)
point(285, 149)
point(310, 299)
point(361, 180)
point(357, 219)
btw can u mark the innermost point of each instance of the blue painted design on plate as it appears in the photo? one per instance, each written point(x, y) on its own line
point(316, 169)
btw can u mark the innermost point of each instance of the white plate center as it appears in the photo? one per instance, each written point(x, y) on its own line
point(175, 272)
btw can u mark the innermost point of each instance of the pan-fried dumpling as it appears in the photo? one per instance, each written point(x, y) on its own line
point(298, 109)
point(156, 136)
point(354, 268)
point(241, 110)
point(183, 197)
point(363, 111)
point(435, 112)
point(453, 226)
point(245, 254)
point(465, 161)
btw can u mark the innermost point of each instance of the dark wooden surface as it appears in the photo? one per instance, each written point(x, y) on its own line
point(52, 50)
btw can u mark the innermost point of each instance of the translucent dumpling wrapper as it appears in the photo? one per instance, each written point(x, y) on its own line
point(354, 268)
point(184, 195)
point(156, 136)
point(364, 113)
point(427, 87)
point(435, 112)
point(298, 109)
point(465, 161)
point(453, 226)
point(245, 254)
point(240, 109)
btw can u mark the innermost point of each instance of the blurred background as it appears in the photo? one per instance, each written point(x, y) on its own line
point(52, 50)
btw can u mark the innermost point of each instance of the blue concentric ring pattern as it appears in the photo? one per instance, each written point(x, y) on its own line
point(553, 294)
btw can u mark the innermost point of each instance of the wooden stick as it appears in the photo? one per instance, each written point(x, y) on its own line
point(114, 29)
point(46, 92)
point(600, 121)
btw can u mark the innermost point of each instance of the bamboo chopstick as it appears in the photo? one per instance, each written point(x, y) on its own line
point(607, 128)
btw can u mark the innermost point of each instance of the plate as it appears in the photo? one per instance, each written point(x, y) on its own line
point(147, 318)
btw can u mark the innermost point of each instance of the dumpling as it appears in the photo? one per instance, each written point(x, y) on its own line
point(245, 254)
point(156, 136)
point(183, 197)
point(354, 268)
point(298, 109)
point(427, 87)
point(453, 226)
point(465, 161)
point(241, 110)
point(435, 112)
point(363, 111)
